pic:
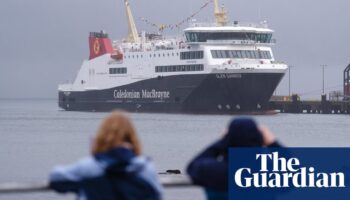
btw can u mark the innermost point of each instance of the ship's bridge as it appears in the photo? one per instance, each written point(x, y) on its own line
point(205, 33)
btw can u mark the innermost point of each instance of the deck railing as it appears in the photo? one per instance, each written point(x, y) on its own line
point(167, 180)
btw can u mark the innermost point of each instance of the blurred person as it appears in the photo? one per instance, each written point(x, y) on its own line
point(210, 168)
point(115, 170)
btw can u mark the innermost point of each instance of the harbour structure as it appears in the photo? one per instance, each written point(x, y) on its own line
point(337, 102)
point(347, 83)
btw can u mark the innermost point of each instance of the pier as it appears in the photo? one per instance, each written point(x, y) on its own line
point(337, 103)
point(293, 104)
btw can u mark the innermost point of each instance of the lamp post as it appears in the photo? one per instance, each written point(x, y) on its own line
point(323, 67)
point(289, 75)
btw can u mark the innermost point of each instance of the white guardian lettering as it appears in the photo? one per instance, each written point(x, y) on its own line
point(286, 173)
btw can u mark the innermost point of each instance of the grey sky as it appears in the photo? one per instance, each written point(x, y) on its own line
point(43, 42)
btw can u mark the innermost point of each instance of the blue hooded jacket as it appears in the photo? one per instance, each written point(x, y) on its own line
point(210, 168)
point(115, 175)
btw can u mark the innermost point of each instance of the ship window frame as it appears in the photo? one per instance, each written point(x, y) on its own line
point(235, 54)
point(256, 54)
point(191, 55)
point(179, 68)
point(239, 53)
point(259, 37)
point(230, 52)
point(221, 54)
point(245, 54)
point(214, 53)
point(269, 55)
point(226, 54)
point(118, 70)
point(263, 53)
point(251, 54)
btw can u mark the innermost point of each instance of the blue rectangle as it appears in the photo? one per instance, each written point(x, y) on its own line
point(289, 173)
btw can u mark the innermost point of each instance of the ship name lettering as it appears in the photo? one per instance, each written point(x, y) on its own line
point(144, 94)
point(124, 94)
point(228, 76)
point(153, 94)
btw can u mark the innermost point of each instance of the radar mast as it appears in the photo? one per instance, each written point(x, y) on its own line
point(133, 35)
point(220, 14)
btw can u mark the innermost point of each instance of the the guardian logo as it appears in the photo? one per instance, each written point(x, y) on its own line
point(279, 172)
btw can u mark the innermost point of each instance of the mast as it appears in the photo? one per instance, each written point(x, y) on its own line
point(220, 14)
point(133, 35)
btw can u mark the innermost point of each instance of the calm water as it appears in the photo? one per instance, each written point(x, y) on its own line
point(36, 135)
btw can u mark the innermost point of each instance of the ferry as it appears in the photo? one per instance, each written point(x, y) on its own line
point(222, 67)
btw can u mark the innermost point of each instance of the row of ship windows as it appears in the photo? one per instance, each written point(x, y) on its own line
point(183, 56)
point(204, 37)
point(122, 70)
point(179, 68)
point(191, 55)
point(153, 55)
point(170, 68)
point(241, 54)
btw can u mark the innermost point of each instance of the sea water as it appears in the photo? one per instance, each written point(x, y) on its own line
point(36, 135)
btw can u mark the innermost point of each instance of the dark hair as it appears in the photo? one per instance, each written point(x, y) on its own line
point(244, 132)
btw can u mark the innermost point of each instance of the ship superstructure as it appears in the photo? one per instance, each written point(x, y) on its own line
point(221, 67)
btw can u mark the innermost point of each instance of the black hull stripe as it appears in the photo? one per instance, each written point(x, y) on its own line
point(214, 93)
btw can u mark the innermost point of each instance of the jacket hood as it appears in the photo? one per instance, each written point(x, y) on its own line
point(119, 160)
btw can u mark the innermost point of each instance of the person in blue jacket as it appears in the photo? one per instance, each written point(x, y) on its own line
point(116, 170)
point(210, 168)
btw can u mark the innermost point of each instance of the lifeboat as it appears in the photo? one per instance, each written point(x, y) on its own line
point(117, 55)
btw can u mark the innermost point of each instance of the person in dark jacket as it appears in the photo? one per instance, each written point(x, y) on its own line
point(210, 168)
point(116, 170)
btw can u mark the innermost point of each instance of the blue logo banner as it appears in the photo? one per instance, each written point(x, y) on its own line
point(289, 173)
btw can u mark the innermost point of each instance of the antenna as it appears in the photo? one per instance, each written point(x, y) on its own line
point(259, 11)
point(133, 35)
point(220, 14)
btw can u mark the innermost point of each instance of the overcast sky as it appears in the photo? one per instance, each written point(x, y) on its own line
point(43, 42)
